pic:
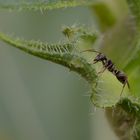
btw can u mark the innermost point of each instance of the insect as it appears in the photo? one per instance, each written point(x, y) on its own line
point(108, 64)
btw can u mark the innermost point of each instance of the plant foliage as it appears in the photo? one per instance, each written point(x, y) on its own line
point(125, 122)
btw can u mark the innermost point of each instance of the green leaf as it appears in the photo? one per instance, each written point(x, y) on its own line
point(64, 54)
point(106, 18)
point(69, 55)
point(124, 117)
point(134, 6)
point(42, 5)
point(81, 33)
point(133, 67)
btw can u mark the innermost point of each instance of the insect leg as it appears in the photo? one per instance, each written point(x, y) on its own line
point(104, 68)
point(123, 88)
point(128, 84)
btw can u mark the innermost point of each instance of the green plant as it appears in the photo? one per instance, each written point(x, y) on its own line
point(120, 43)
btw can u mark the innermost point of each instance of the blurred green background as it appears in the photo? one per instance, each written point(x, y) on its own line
point(40, 100)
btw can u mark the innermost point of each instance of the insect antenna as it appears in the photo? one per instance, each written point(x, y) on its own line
point(90, 50)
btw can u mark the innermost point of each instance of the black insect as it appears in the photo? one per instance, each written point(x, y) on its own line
point(108, 64)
